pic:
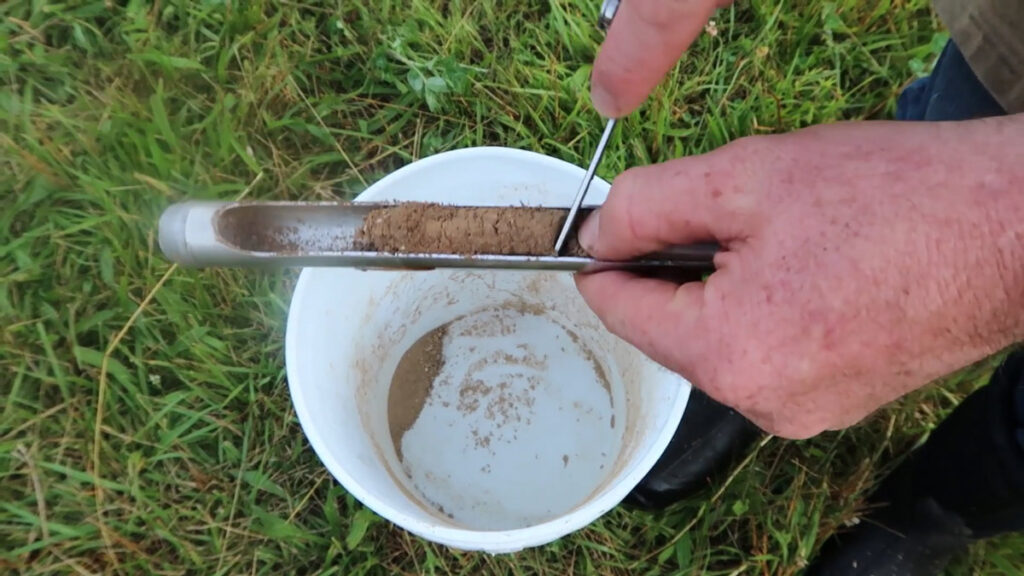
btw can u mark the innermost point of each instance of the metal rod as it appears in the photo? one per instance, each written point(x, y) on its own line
point(584, 186)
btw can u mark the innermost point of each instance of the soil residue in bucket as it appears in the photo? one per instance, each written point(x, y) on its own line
point(412, 382)
point(602, 377)
point(428, 228)
point(489, 390)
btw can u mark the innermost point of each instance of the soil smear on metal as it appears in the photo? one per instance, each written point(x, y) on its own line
point(429, 228)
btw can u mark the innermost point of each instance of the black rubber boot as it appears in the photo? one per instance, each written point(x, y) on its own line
point(710, 438)
point(965, 483)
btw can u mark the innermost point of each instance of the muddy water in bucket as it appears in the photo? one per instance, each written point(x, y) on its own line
point(502, 418)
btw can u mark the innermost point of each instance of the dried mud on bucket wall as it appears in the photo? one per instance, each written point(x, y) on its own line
point(412, 382)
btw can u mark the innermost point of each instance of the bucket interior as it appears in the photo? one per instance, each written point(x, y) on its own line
point(525, 418)
point(539, 421)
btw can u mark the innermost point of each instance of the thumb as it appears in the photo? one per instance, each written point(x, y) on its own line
point(659, 318)
point(645, 40)
point(684, 201)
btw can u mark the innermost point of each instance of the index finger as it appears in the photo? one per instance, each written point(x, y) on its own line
point(645, 40)
point(683, 201)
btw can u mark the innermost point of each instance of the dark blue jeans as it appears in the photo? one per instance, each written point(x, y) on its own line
point(952, 92)
point(974, 461)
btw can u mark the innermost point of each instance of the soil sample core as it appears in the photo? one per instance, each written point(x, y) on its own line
point(428, 228)
point(412, 382)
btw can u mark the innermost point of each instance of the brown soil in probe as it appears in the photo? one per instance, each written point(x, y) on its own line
point(427, 228)
point(412, 382)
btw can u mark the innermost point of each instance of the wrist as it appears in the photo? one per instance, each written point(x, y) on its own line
point(1008, 259)
point(999, 186)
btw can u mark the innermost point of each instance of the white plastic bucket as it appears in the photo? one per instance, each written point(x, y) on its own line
point(540, 421)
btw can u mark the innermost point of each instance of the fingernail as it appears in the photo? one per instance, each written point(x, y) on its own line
point(588, 232)
point(602, 100)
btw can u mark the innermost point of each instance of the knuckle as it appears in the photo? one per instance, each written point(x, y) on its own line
point(634, 226)
point(627, 181)
point(625, 219)
point(736, 178)
point(657, 13)
point(744, 152)
point(614, 68)
point(621, 184)
point(662, 15)
point(746, 144)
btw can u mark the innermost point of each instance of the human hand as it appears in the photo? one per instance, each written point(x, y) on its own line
point(860, 261)
point(645, 40)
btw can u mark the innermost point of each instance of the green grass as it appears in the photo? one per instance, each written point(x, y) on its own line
point(146, 423)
